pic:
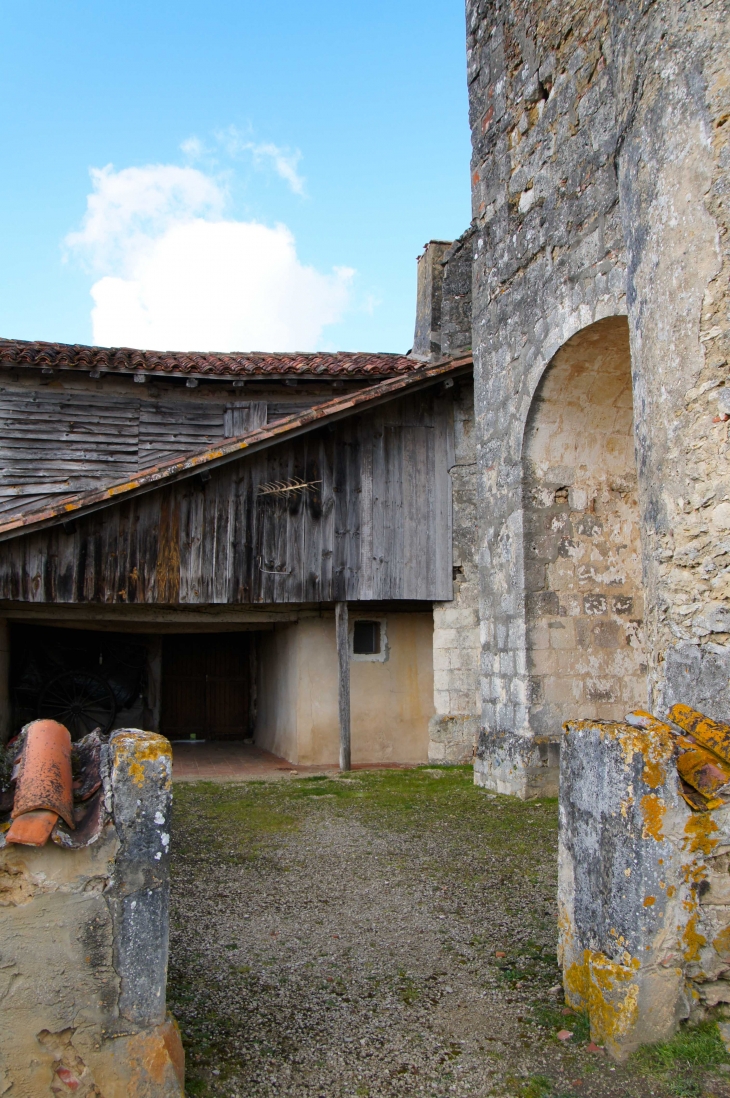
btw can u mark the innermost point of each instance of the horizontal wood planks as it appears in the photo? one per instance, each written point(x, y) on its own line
point(58, 443)
point(373, 523)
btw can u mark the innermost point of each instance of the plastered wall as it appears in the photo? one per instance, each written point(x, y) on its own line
point(391, 699)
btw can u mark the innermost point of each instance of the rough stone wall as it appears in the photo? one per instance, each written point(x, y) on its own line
point(673, 109)
point(644, 888)
point(598, 175)
point(584, 598)
point(548, 262)
point(456, 295)
point(454, 729)
point(83, 947)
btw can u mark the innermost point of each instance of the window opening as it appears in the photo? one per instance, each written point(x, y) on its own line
point(366, 638)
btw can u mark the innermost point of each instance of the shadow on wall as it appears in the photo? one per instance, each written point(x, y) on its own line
point(583, 585)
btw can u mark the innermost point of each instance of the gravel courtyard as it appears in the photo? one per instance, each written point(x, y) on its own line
point(388, 933)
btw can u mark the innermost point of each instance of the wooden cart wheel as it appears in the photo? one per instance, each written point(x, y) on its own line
point(81, 700)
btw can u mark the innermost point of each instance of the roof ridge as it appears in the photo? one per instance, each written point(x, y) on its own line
point(126, 360)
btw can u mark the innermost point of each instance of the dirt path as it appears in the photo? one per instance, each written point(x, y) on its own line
point(388, 934)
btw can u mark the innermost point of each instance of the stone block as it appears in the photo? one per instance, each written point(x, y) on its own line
point(635, 939)
point(85, 937)
point(561, 633)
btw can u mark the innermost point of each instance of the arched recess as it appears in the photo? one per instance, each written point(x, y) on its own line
point(583, 576)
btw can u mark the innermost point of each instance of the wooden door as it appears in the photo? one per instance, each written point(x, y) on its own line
point(206, 686)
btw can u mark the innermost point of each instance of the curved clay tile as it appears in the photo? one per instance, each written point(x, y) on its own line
point(254, 364)
point(44, 789)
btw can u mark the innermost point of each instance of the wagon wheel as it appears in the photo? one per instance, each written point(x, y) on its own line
point(80, 700)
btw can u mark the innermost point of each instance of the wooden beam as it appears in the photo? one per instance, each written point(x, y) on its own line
point(343, 660)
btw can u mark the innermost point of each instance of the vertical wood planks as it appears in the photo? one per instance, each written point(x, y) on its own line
point(375, 525)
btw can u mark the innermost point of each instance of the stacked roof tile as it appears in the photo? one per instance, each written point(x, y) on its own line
point(125, 360)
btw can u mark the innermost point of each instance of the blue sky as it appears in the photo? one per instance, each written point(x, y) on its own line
point(265, 174)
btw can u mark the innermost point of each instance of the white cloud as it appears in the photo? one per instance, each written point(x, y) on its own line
point(284, 164)
point(177, 275)
point(128, 209)
point(284, 161)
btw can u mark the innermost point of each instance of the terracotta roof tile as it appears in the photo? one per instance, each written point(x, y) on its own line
point(126, 360)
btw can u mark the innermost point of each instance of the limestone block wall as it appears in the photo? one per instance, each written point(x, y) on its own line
point(83, 946)
point(454, 728)
point(643, 891)
point(583, 579)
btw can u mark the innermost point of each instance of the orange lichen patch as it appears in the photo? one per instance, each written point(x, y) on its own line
point(721, 944)
point(156, 1057)
point(653, 810)
point(613, 996)
point(575, 981)
point(649, 901)
point(693, 940)
point(653, 739)
point(671, 891)
point(698, 831)
point(135, 751)
point(712, 734)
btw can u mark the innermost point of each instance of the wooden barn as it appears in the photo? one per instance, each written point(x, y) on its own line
point(216, 545)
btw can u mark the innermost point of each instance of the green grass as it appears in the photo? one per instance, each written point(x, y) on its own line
point(677, 1062)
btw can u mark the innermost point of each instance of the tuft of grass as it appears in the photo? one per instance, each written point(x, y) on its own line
point(676, 1062)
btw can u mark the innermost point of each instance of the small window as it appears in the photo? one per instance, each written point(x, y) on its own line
point(366, 638)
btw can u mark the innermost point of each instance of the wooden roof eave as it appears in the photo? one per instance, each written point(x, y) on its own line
point(72, 507)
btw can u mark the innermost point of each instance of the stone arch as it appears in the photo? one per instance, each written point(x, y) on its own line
point(581, 530)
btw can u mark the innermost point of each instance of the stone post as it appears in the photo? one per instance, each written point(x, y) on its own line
point(84, 939)
point(643, 899)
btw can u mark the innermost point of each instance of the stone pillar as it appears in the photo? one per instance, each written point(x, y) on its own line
point(427, 336)
point(454, 728)
point(4, 681)
point(84, 937)
point(643, 902)
point(672, 171)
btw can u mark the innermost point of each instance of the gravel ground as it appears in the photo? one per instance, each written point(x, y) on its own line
point(390, 933)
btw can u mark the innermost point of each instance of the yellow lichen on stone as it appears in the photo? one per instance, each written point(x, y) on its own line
point(613, 996)
point(135, 750)
point(698, 831)
point(649, 901)
point(653, 810)
point(654, 744)
point(721, 944)
point(693, 940)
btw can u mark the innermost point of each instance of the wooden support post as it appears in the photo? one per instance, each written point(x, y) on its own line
point(154, 682)
point(343, 679)
point(4, 681)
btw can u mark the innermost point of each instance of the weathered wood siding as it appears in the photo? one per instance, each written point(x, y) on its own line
point(62, 442)
point(376, 526)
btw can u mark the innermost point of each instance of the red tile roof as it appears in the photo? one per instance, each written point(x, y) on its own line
point(125, 360)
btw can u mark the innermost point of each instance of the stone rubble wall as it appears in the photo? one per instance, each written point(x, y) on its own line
point(599, 169)
point(643, 889)
point(83, 946)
